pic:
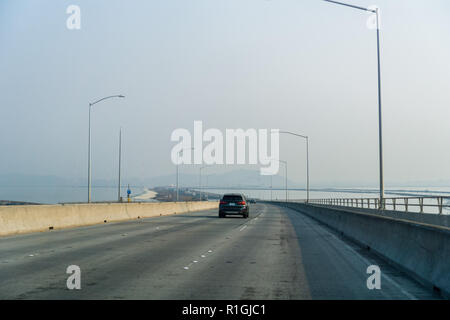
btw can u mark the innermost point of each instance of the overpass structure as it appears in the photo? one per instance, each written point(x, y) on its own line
point(183, 251)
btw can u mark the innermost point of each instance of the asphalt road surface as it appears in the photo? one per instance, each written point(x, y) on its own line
point(277, 253)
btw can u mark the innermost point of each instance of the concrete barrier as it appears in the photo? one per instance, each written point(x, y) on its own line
point(35, 218)
point(427, 218)
point(421, 250)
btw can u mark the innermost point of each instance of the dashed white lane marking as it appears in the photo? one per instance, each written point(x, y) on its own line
point(210, 251)
point(196, 261)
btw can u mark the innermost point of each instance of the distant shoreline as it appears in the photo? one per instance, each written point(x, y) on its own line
point(146, 195)
point(16, 203)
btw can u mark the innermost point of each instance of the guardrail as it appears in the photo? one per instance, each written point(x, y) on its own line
point(431, 204)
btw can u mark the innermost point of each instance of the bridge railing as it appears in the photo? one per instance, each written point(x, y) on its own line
point(429, 204)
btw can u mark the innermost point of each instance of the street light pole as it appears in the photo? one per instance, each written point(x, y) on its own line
point(89, 142)
point(177, 181)
point(286, 179)
point(380, 119)
point(181, 151)
point(271, 187)
point(376, 11)
point(200, 186)
point(206, 185)
point(89, 156)
point(120, 159)
point(307, 169)
point(307, 159)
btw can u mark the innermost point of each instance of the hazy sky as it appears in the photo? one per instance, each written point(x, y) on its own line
point(305, 65)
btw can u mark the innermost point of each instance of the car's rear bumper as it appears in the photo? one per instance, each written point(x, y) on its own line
point(233, 210)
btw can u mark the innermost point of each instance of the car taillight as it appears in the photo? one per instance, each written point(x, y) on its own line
point(223, 202)
point(241, 203)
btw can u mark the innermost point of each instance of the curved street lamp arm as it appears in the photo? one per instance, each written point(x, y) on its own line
point(351, 6)
point(294, 134)
point(114, 96)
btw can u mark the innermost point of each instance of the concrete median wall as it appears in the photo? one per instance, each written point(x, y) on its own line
point(421, 250)
point(35, 218)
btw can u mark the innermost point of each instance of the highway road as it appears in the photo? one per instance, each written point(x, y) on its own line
point(277, 253)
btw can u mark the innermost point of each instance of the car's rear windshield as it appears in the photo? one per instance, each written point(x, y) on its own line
point(232, 197)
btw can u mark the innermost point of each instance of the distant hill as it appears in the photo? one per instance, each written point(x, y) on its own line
point(20, 180)
point(31, 180)
point(238, 178)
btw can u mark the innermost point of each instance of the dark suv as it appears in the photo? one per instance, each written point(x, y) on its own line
point(233, 204)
